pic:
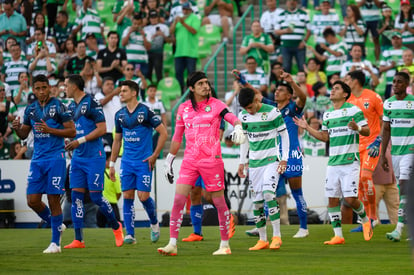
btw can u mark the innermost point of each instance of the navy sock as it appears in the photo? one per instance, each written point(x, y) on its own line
point(105, 208)
point(301, 207)
point(129, 216)
point(196, 213)
point(149, 206)
point(78, 212)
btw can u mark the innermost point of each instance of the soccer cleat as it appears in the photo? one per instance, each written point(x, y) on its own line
point(302, 233)
point(232, 229)
point(52, 248)
point(169, 250)
point(119, 235)
point(357, 229)
point(276, 243)
point(155, 233)
point(252, 232)
point(222, 251)
point(367, 229)
point(260, 245)
point(75, 244)
point(335, 240)
point(394, 236)
point(193, 238)
point(129, 239)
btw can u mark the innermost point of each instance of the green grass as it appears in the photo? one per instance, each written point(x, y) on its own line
point(21, 252)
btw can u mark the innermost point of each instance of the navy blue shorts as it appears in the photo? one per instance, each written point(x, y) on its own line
point(47, 177)
point(87, 173)
point(135, 176)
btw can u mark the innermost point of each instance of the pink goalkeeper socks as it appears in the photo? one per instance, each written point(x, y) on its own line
point(224, 217)
point(177, 215)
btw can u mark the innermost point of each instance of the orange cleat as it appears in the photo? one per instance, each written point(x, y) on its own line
point(119, 235)
point(193, 238)
point(276, 243)
point(335, 240)
point(367, 229)
point(232, 228)
point(260, 245)
point(75, 244)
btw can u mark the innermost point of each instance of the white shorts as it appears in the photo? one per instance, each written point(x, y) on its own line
point(342, 180)
point(403, 166)
point(215, 19)
point(263, 179)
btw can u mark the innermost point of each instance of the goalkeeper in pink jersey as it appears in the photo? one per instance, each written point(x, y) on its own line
point(199, 119)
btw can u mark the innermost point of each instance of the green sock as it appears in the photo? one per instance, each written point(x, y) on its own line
point(336, 217)
point(361, 212)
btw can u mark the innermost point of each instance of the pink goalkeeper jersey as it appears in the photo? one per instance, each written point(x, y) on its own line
point(201, 129)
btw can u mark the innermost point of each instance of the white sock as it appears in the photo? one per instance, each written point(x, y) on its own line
point(262, 233)
point(155, 227)
point(276, 228)
point(399, 227)
point(338, 232)
point(224, 243)
point(173, 241)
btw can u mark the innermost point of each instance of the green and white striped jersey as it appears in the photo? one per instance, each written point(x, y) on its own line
point(400, 115)
point(334, 63)
point(91, 23)
point(388, 56)
point(343, 142)
point(321, 21)
point(352, 37)
point(255, 79)
point(262, 130)
point(407, 37)
point(41, 67)
point(135, 49)
point(369, 11)
point(7, 56)
point(312, 146)
point(297, 20)
point(11, 71)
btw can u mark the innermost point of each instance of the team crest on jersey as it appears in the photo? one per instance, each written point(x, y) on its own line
point(264, 116)
point(84, 108)
point(207, 109)
point(52, 111)
point(366, 105)
point(344, 112)
point(178, 117)
point(409, 105)
point(140, 117)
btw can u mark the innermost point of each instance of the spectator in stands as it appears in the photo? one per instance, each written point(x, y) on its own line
point(136, 44)
point(166, 6)
point(40, 41)
point(407, 58)
point(320, 22)
point(76, 64)
point(6, 53)
point(17, 151)
point(219, 13)
point(320, 102)
point(353, 29)
point(12, 23)
point(255, 76)
point(153, 5)
point(313, 72)
point(358, 63)
point(6, 111)
point(109, 99)
point(93, 81)
point(52, 10)
point(42, 63)
point(123, 17)
point(20, 96)
point(312, 146)
point(370, 12)
point(258, 45)
point(231, 99)
point(89, 21)
point(4, 149)
point(177, 9)
point(92, 46)
point(185, 29)
point(275, 79)
point(404, 23)
point(11, 69)
point(69, 51)
point(112, 59)
point(134, 74)
point(334, 52)
point(385, 26)
point(157, 34)
point(391, 59)
point(294, 28)
point(268, 18)
point(301, 81)
point(62, 30)
point(38, 23)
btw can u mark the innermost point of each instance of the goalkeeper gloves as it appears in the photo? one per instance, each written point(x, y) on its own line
point(374, 147)
point(168, 169)
point(237, 136)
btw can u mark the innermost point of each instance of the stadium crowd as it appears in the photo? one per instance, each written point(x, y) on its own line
point(366, 47)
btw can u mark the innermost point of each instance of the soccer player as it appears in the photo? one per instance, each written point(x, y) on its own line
point(88, 160)
point(199, 118)
point(262, 124)
point(290, 109)
point(51, 123)
point(134, 124)
point(398, 127)
point(370, 104)
point(342, 125)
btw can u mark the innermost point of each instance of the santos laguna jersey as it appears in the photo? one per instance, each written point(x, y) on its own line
point(86, 115)
point(136, 129)
point(262, 130)
point(54, 113)
point(400, 115)
point(343, 142)
point(201, 129)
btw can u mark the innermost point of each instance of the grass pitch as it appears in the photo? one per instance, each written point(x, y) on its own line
point(21, 252)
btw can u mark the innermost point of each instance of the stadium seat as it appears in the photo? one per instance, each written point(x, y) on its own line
point(204, 48)
point(211, 33)
point(170, 90)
